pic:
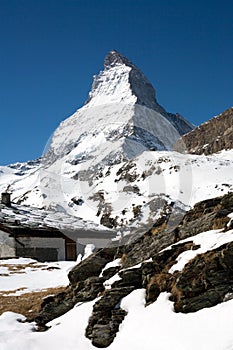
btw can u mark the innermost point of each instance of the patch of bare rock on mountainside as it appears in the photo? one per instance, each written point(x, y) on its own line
point(210, 137)
point(205, 281)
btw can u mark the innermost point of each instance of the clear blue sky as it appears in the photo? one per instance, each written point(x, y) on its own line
point(50, 49)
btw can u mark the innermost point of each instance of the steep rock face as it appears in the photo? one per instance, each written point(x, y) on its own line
point(210, 137)
point(144, 92)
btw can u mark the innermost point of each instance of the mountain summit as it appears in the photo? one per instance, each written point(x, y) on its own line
point(120, 120)
point(140, 86)
point(114, 57)
point(123, 82)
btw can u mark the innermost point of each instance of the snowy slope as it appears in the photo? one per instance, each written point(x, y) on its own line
point(119, 188)
point(30, 276)
point(111, 163)
point(157, 325)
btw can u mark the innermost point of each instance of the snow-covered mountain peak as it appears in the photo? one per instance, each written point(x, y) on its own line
point(111, 86)
point(121, 81)
point(122, 112)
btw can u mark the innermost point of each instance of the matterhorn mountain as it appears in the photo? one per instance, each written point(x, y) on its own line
point(122, 114)
point(150, 200)
point(111, 162)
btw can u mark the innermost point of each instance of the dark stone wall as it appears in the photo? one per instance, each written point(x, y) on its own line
point(40, 254)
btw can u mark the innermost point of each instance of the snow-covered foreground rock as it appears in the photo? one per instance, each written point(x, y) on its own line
point(153, 326)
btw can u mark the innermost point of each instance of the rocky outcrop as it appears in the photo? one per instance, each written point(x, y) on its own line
point(92, 266)
point(210, 137)
point(85, 285)
point(205, 281)
point(206, 215)
point(107, 316)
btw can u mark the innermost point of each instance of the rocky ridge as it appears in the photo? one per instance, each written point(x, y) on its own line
point(210, 137)
point(204, 281)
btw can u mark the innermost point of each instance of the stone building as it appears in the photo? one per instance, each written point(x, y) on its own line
point(38, 243)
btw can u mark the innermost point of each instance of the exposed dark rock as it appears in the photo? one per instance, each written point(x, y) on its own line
point(88, 290)
point(179, 123)
point(151, 275)
point(204, 281)
point(107, 316)
point(127, 172)
point(159, 279)
point(85, 286)
point(107, 221)
point(111, 298)
point(110, 272)
point(92, 266)
point(53, 307)
point(77, 201)
point(129, 277)
point(103, 328)
point(206, 215)
point(133, 189)
point(210, 137)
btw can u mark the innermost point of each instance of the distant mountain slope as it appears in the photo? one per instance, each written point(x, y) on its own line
point(210, 137)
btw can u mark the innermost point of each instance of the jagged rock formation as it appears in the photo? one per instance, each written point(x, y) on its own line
point(210, 137)
point(85, 285)
point(206, 281)
point(203, 282)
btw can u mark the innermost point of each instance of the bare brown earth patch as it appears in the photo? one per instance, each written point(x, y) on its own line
point(27, 304)
point(20, 268)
